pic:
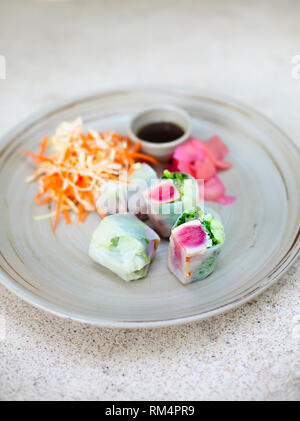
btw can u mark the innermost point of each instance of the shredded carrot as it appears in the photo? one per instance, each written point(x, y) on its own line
point(67, 216)
point(40, 194)
point(78, 166)
point(101, 213)
point(83, 216)
point(114, 177)
point(137, 146)
point(145, 157)
point(59, 202)
point(44, 146)
point(37, 158)
point(80, 211)
point(44, 201)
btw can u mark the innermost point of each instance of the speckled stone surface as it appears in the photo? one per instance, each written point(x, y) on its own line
point(57, 49)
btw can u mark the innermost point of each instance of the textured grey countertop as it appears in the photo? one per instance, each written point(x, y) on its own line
point(55, 49)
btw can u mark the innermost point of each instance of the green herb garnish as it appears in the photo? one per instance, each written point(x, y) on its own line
point(190, 215)
point(114, 241)
point(175, 175)
point(146, 257)
point(178, 179)
point(207, 226)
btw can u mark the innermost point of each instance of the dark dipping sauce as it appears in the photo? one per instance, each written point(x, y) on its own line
point(160, 132)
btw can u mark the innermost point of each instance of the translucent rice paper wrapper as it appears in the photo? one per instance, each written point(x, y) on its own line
point(141, 179)
point(192, 264)
point(120, 197)
point(125, 245)
point(164, 215)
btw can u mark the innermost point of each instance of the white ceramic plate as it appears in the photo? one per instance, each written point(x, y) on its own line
point(53, 270)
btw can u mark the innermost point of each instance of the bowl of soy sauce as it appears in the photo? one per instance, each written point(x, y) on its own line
point(160, 129)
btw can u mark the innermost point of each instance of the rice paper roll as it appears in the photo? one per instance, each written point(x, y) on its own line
point(196, 241)
point(125, 245)
point(140, 180)
point(168, 198)
point(121, 197)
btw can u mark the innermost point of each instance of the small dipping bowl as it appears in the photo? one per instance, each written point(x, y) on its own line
point(160, 150)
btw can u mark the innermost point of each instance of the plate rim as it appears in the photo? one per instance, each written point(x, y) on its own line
point(277, 271)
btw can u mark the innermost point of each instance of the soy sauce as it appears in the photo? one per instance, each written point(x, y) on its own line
point(160, 132)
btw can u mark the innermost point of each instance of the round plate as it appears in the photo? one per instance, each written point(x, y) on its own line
point(53, 270)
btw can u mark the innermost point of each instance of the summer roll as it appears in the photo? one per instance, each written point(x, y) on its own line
point(125, 245)
point(126, 195)
point(196, 241)
point(168, 197)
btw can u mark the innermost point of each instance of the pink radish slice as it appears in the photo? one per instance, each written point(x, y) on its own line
point(226, 200)
point(202, 159)
point(204, 170)
point(191, 235)
point(164, 193)
point(181, 166)
point(189, 151)
point(214, 190)
point(217, 148)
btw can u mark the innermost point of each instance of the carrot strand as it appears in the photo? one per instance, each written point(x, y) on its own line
point(80, 211)
point(67, 216)
point(59, 203)
point(44, 146)
point(145, 157)
point(83, 216)
point(37, 158)
point(44, 201)
point(137, 146)
point(101, 213)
